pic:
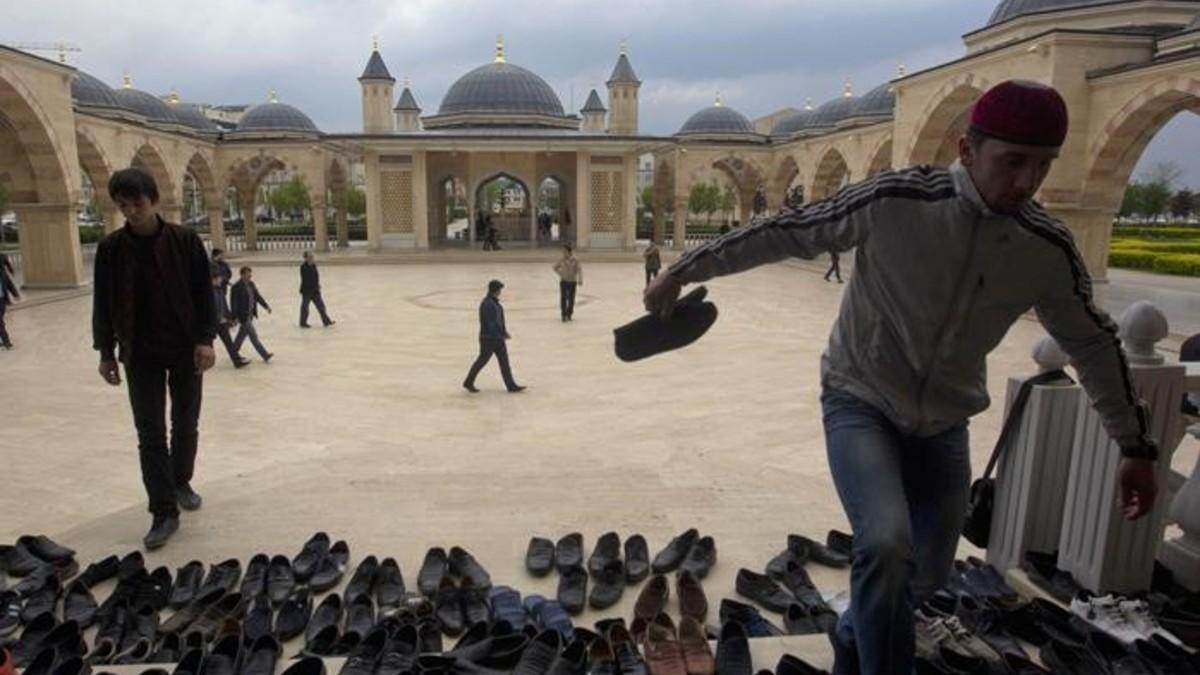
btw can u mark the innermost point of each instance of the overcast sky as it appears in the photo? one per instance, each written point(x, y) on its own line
point(761, 55)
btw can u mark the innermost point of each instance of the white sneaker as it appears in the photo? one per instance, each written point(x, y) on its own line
point(1104, 612)
point(1139, 616)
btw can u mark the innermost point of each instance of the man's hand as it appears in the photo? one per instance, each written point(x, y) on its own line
point(661, 294)
point(204, 357)
point(110, 372)
point(1137, 487)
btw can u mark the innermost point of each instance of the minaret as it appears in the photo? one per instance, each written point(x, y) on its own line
point(623, 88)
point(408, 113)
point(593, 114)
point(378, 90)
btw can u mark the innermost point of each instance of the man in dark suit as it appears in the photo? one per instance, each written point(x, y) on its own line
point(244, 301)
point(221, 318)
point(310, 291)
point(492, 334)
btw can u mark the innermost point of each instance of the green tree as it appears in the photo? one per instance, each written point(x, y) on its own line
point(728, 201)
point(1156, 197)
point(648, 199)
point(356, 202)
point(1183, 204)
point(1164, 173)
point(1134, 203)
point(704, 198)
point(289, 197)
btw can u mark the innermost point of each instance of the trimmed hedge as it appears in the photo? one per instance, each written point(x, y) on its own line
point(1157, 232)
point(1182, 264)
point(1134, 260)
point(1162, 247)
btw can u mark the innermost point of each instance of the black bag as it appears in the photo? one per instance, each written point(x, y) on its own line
point(977, 528)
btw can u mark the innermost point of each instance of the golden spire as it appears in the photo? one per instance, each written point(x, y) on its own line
point(407, 82)
point(808, 103)
point(126, 82)
point(375, 43)
point(173, 99)
point(624, 48)
point(718, 103)
point(848, 89)
point(500, 48)
point(274, 98)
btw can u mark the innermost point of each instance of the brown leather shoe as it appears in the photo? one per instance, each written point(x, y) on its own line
point(664, 654)
point(653, 598)
point(692, 601)
point(697, 655)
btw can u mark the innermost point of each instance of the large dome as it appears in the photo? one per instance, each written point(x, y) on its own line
point(1011, 9)
point(879, 102)
point(716, 119)
point(276, 117)
point(91, 92)
point(190, 115)
point(796, 121)
point(147, 105)
point(501, 88)
point(832, 112)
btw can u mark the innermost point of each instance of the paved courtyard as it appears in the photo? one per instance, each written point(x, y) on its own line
point(363, 430)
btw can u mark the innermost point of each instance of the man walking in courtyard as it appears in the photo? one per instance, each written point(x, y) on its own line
point(310, 291)
point(835, 267)
point(218, 257)
point(570, 275)
point(492, 336)
point(949, 259)
point(152, 308)
point(653, 261)
point(244, 300)
point(221, 318)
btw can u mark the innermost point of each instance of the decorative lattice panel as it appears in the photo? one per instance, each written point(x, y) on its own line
point(397, 201)
point(608, 201)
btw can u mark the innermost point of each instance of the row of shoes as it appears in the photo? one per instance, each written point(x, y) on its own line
point(837, 552)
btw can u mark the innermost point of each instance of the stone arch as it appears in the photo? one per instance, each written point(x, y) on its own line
point(746, 177)
point(36, 147)
point(94, 163)
point(787, 174)
point(1115, 153)
point(565, 225)
point(149, 159)
point(943, 120)
point(880, 159)
point(832, 173)
point(510, 227)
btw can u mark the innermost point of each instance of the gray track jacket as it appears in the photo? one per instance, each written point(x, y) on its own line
point(938, 280)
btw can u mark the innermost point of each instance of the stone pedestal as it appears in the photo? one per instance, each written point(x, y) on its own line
point(1182, 554)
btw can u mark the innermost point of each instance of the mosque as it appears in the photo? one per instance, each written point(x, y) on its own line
point(501, 144)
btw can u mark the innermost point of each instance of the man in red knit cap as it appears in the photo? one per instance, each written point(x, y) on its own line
point(945, 261)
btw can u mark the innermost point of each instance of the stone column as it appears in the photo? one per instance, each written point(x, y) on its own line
point(50, 246)
point(1092, 230)
point(249, 225)
point(343, 224)
point(630, 219)
point(172, 213)
point(583, 200)
point(470, 212)
point(320, 228)
point(680, 231)
point(374, 202)
point(113, 219)
point(216, 227)
point(420, 187)
point(660, 220)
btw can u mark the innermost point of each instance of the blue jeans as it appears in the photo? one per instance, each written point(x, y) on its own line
point(247, 329)
point(905, 498)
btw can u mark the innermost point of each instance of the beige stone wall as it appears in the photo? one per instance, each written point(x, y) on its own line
point(377, 101)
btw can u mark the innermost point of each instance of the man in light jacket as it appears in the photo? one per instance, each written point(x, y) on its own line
point(946, 261)
point(570, 275)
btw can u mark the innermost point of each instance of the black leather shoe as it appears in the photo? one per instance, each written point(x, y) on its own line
point(79, 605)
point(42, 599)
point(328, 613)
point(464, 566)
point(323, 642)
point(798, 620)
point(362, 582)
point(474, 600)
point(733, 650)
point(264, 653)
point(433, 571)
point(331, 568)
point(571, 661)
point(230, 606)
point(154, 589)
point(608, 585)
point(701, 558)
point(540, 654)
point(241, 363)
point(568, 552)
point(572, 589)
point(363, 658)
point(517, 389)
point(748, 616)
point(161, 530)
point(389, 586)
point(840, 543)
point(672, 556)
point(360, 616)
point(280, 580)
point(803, 547)
point(254, 583)
point(304, 565)
point(607, 551)
point(637, 559)
point(306, 666)
point(133, 563)
point(224, 575)
point(448, 607)
point(20, 561)
point(183, 618)
point(225, 658)
point(99, 572)
point(763, 590)
point(259, 619)
point(430, 637)
point(45, 548)
point(539, 557)
point(293, 615)
point(692, 600)
point(470, 387)
point(187, 582)
point(629, 660)
point(187, 498)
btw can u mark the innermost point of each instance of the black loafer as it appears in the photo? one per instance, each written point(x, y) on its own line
point(701, 558)
point(259, 619)
point(79, 605)
point(433, 571)
point(798, 620)
point(280, 580)
point(20, 561)
point(572, 589)
point(362, 582)
point(464, 566)
point(331, 568)
point(99, 572)
point(571, 661)
point(763, 590)
point(474, 600)
point(360, 616)
point(649, 335)
point(187, 582)
point(224, 575)
point(607, 551)
point(669, 559)
point(568, 552)
point(840, 543)
point(539, 557)
point(304, 565)
point(733, 650)
point(264, 654)
point(448, 607)
point(293, 615)
point(45, 548)
point(323, 642)
point(254, 583)
point(389, 586)
point(803, 547)
point(637, 559)
point(608, 585)
point(540, 654)
point(328, 613)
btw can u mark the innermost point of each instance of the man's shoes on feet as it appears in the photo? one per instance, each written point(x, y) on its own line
point(304, 325)
point(517, 389)
point(241, 363)
point(329, 323)
point(160, 531)
point(187, 498)
point(470, 387)
point(267, 357)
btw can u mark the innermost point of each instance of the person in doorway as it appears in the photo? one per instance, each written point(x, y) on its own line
point(490, 241)
point(221, 318)
point(493, 333)
point(310, 291)
point(835, 267)
point(8, 294)
point(244, 301)
point(152, 308)
point(956, 257)
point(570, 275)
point(653, 261)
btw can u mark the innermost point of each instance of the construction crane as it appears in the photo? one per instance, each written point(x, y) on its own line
point(61, 47)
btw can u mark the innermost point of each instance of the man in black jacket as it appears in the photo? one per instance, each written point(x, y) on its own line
point(221, 316)
point(310, 291)
point(153, 309)
point(492, 334)
point(244, 300)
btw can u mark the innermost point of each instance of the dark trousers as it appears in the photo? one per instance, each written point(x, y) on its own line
point(227, 340)
point(165, 467)
point(4, 329)
point(835, 268)
point(650, 274)
point(246, 329)
point(314, 298)
point(566, 298)
point(487, 347)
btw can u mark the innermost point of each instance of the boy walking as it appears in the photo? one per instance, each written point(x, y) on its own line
point(245, 299)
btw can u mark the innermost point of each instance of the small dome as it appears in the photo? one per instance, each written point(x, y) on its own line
point(276, 117)
point(190, 115)
point(832, 112)
point(716, 119)
point(147, 105)
point(796, 121)
point(501, 88)
point(879, 102)
point(90, 91)
point(1011, 9)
